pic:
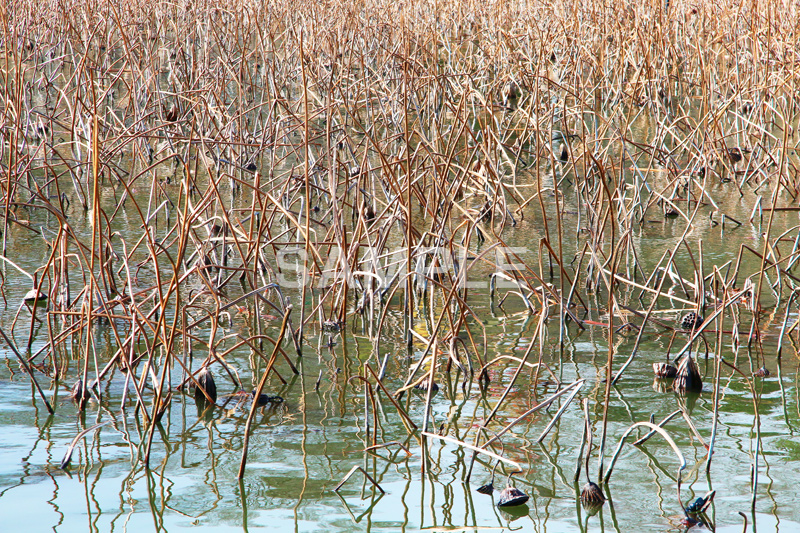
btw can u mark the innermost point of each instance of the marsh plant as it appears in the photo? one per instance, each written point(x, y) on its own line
point(183, 181)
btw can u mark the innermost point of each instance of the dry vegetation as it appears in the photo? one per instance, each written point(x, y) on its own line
point(183, 161)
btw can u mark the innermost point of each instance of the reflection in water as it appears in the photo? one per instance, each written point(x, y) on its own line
point(197, 450)
point(331, 420)
point(373, 499)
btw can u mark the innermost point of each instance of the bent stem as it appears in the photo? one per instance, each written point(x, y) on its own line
point(257, 392)
point(669, 440)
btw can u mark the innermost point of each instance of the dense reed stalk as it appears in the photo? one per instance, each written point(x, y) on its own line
point(191, 163)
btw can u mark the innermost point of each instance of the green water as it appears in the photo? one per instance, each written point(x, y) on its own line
point(301, 449)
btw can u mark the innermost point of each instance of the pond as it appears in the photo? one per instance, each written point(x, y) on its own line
point(423, 258)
